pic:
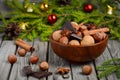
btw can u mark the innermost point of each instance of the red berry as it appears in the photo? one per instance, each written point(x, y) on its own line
point(52, 18)
point(88, 8)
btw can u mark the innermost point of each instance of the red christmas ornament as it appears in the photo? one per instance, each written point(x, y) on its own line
point(52, 18)
point(88, 7)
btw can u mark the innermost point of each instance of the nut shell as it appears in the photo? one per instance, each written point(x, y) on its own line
point(75, 25)
point(12, 58)
point(44, 65)
point(34, 59)
point(56, 35)
point(64, 40)
point(22, 52)
point(87, 69)
point(74, 42)
point(87, 41)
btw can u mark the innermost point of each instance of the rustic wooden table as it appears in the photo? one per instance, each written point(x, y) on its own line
point(45, 53)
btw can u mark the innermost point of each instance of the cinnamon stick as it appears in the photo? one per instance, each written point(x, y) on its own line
point(91, 32)
point(24, 45)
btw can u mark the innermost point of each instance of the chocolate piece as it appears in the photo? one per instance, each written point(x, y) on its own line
point(76, 37)
point(66, 32)
point(68, 26)
point(41, 74)
point(27, 70)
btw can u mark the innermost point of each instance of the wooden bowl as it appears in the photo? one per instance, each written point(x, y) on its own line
point(78, 53)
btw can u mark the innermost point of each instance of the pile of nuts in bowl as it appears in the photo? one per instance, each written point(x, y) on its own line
point(81, 34)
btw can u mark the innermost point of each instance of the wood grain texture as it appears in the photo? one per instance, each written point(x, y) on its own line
point(16, 71)
point(56, 62)
point(1, 35)
point(40, 51)
point(104, 57)
point(114, 48)
point(77, 72)
point(7, 48)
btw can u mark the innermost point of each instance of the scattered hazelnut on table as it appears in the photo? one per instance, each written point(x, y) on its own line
point(44, 65)
point(34, 59)
point(57, 35)
point(22, 52)
point(87, 69)
point(74, 42)
point(63, 40)
point(12, 58)
point(87, 40)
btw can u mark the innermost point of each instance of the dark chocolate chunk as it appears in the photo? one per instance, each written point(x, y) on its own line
point(27, 70)
point(68, 26)
point(41, 74)
point(76, 37)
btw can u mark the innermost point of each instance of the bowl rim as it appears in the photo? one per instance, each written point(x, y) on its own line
point(51, 39)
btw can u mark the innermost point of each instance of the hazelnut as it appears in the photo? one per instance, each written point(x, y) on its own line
point(87, 69)
point(12, 58)
point(99, 36)
point(57, 35)
point(22, 52)
point(74, 42)
point(75, 25)
point(64, 40)
point(44, 65)
point(83, 28)
point(33, 59)
point(87, 40)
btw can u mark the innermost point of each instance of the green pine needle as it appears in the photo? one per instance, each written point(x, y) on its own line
point(3, 19)
point(72, 12)
point(109, 67)
point(107, 72)
point(111, 61)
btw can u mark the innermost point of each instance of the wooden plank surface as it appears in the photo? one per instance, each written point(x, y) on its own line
point(104, 57)
point(7, 48)
point(77, 72)
point(16, 71)
point(41, 52)
point(114, 48)
point(56, 62)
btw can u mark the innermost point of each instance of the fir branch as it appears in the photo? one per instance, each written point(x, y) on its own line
point(103, 68)
point(108, 71)
point(34, 21)
point(18, 5)
point(23, 16)
point(3, 19)
point(11, 5)
point(107, 22)
point(109, 67)
point(118, 72)
point(111, 61)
